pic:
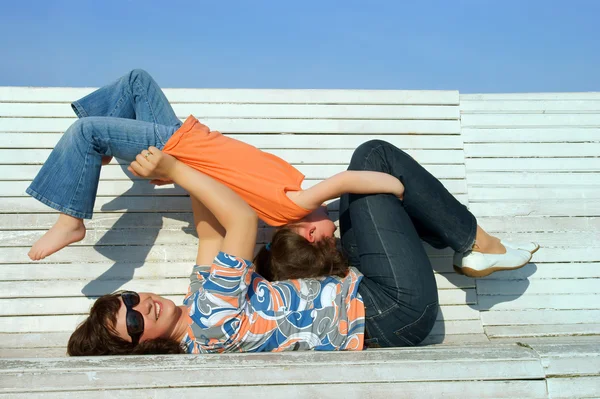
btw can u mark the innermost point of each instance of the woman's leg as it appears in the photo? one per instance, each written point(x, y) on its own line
point(68, 180)
point(398, 287)
point(438, 217)
point(380, 236)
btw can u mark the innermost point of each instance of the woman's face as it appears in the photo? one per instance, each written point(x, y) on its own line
point(162, 319)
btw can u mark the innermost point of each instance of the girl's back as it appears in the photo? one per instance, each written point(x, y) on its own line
point(260, 178)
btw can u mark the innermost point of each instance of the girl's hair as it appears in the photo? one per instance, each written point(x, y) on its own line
point(291, 256)
point(97, 335)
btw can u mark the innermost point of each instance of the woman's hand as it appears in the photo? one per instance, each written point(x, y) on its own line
point(153, 164)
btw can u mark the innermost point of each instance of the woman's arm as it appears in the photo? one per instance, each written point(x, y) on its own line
point(237, 218)
point(210, 233)
point(350, 181)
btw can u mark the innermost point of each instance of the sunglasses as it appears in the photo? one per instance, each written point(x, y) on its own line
point(134, 319)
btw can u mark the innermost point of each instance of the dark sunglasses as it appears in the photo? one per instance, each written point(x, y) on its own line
point(134, 319)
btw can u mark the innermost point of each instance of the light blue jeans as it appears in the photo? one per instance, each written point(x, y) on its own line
point(120, 120)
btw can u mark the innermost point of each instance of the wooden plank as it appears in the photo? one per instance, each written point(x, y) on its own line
point(129, 203)
point(528, 224)
point(79, 305)
point(271, 141)
point(536, 120)
point(50, 307)
point(537, 301)
point(555, 239)
point(552, 255)
point(58, 341)
point(174, 285)
point(537, 208)
point(127, 254)
point(293, 111)
point(477, 362)
point(110, 271)
point(542, 330)
point(319, 126)
point(445, 339)
point(572, 365)
point(480, 194)
point(114, 188)
point(472, 389)
point(559, 286)
point(33, 352)
point(454, 327)
point(530, 316)
point(243, 96)
point(533, 179)
point(530, 150)
point(577, 387)
point(43, 221)
point(529, 106)
point(251, 96)
point(34, 340)
point(313, 172)
point(551, 271)
point(293, 156)
point(533, 164)
point(582, 96)
point(548, 134)
point(42, 323)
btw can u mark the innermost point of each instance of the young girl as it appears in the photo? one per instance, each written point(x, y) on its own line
point(131, 115)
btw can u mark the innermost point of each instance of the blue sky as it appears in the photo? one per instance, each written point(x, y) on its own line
point(474, 46)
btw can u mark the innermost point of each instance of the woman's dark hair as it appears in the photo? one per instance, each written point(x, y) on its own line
point(97, 335)
point(292, 256)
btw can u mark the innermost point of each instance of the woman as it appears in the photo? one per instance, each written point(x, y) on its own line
point(229, 307)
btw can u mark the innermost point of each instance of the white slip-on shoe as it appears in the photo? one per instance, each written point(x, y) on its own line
point(477, 264)
point(530, 247)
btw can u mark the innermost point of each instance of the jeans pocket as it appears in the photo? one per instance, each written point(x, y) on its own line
point(412, 334)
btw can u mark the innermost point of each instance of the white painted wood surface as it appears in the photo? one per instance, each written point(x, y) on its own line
point(533, 172)
point(527, 165)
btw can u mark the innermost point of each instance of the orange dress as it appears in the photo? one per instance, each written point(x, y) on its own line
point(260, 178)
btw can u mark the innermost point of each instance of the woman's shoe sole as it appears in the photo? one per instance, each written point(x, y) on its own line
point(467, 271)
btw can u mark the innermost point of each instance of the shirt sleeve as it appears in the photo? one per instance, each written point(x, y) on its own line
point(220, 292)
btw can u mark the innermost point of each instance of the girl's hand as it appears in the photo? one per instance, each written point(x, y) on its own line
point(153, 164)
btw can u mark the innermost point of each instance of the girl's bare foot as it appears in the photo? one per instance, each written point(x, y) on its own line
point(65, 231)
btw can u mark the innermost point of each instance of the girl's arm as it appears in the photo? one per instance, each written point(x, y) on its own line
point(237, 218)
point(350, 181)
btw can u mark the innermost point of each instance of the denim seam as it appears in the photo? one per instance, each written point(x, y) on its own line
point(141, 89)
point(473, 233)
point(367, 292)
point(380, 334)
point(371, 216)
point(399, 331)
point(54, 205)
point(78, 109)
point(79, 182)
point(156, 135)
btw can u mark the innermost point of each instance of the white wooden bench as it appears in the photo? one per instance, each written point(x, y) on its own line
point(527, 166)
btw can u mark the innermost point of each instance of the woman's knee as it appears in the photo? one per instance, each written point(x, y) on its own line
point(363, 155)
